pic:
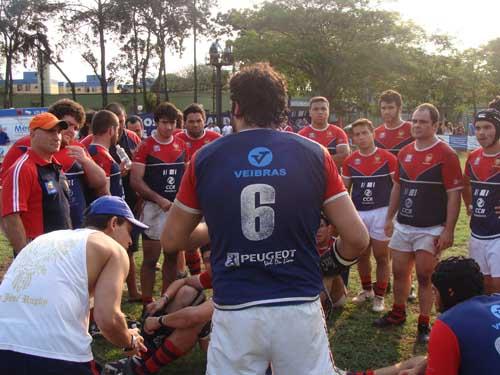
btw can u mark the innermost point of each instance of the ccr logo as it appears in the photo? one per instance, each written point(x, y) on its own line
point(170, 180)
point(408, 203)
point(495, 310)
point(368, 193)
point(497, 344)
point(260, 157)
point(480, 202)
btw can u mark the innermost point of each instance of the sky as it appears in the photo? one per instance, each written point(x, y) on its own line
point(470, 23)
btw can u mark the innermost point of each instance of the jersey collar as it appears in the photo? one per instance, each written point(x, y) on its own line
point(38, 160)
point(170, 140)
point(426, 148)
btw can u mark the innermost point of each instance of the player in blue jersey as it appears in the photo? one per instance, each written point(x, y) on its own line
point(482, 194)
point(262, 228)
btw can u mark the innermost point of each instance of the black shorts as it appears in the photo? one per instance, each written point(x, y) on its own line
point(14, 363)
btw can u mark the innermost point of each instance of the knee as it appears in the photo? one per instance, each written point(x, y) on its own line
point(186, 295)
point(149, 264)
point(382, 258)
point(424, 278)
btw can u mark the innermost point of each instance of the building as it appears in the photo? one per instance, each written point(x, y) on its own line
point(30, 84)
point(91, 86)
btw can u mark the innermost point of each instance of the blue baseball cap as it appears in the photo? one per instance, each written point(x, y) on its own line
point(111, 205)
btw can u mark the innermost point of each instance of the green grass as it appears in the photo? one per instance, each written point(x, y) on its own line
point(354, 342)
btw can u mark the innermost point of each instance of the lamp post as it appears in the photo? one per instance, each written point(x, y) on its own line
point(219, 58)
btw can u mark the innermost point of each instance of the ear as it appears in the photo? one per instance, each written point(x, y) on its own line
point(235, 109)
point(113, 223)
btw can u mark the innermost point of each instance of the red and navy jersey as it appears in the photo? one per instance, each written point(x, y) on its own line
point(262, 206)
point(465, 339)
point(393, 139)
point(371, 177)
point(164, 162)
point(484, 173)
point(194, 144)
point(425, 177)
point(288, 128)
point(15, 151)
point(331, 137)
point(111, 168)
point(38, 191)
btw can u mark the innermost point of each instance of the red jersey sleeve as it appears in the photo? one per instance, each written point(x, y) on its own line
point(395, 177)
point(133, 137)
point(17, 186)
point(103, 161)
point(142, 153)
point(467, 165)
point(346, 171)
point(334, 186)
point(443, 352)
point(342, 137)
point(87, 140)
point(452, 172)
point(206, 280)
point(186, 197)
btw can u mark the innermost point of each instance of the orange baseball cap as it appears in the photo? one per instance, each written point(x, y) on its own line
point(47, 121)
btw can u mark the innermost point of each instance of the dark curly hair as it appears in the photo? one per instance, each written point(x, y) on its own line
point(457, 279)
point(68, 107)
point(391, 96)
point(166, 110)
point(261, 94)
point(194, 108)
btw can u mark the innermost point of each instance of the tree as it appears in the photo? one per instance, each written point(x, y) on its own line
point(97, 21)
point(339, 49)
point(20, 21)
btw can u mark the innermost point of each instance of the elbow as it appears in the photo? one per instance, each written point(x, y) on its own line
point(107, 320)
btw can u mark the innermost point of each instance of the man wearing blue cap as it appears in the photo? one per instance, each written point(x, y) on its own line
point(46, 294)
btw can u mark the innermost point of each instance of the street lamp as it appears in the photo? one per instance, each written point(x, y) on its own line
point(219, 58)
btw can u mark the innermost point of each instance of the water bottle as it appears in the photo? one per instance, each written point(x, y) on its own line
point(122, 154)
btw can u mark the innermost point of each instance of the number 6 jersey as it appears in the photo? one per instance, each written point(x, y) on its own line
point(261, 192)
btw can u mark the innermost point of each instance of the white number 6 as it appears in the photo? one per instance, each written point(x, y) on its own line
point(252, 229)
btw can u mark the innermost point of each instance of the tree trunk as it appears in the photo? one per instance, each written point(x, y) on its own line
point(41, 68)
point(145, 70)
point(6, 83)
point(11, 87)
point(165, 82)
point(103, 80)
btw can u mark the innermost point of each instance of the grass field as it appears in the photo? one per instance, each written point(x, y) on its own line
point(354, 342)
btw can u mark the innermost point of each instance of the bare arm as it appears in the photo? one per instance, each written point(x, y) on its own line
point(347, 183)
point(354, 236)
point(467, 194)
point(94, 175)
point(181, 225)
point(138, 184)
point(343, 152)
point(452, 210)
point(189, 316)
point(15, 232)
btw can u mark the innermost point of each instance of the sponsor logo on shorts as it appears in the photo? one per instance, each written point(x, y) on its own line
point(270, 258)
point(495, 310)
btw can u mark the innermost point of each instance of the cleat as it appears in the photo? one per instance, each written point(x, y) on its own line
point(389, 320)
point(423, 333)
point(363, 296)
point(378, 304)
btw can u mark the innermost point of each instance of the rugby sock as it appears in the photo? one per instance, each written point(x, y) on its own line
point(398, 312)
point(167, 353)
point(193, 260)
point(424, 319)
point(380, 288)
point(366, 282)
point(367, 372)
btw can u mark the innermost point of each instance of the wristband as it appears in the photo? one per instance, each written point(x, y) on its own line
point(160, 321)
point(132, 344)
point(344, 262)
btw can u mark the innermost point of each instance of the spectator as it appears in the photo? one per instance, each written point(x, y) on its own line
point(227, 129)
point(4, 137)
point(134, 124)
point(35, 192)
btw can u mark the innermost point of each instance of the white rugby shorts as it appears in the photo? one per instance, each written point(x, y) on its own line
point(155, 217)
point(409, 239)
point(487, 254)
point(375, 221)
point(292, 338)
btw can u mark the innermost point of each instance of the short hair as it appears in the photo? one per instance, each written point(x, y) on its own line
point(194, 108)
point(116, 108)
point(433, 111)
point(166, 110)
point(495, 103)
point(102, 121)
point(261, 95)
point(88, 116)
point(179, 121)
point(391, 96)
point(457, 279)
point(362, 122)
point(133, 119)
point(100, 221)
point(68, 107)
point(318, 99)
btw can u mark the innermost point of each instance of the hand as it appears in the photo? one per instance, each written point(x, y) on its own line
point(468, 209)
point(138, 346)
point(123, 168)
point(164, 204)
point(444, 241)
point(157, 305)
point(151, 324)
point(389, 227)
point(77, 153)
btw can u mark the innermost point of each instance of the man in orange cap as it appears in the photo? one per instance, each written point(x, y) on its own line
point(35, 192)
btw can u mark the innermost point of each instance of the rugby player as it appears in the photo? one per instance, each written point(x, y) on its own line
point(329, 135)
point(156, 174)
point(426, 198)
point(369, 171)
point(46, 295)
point(482, 194)
point(262, 228)
point(394, 133)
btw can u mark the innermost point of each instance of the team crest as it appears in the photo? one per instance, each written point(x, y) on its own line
point(428, 159)
point(408, 158)
point(357, 161)
point(478, 159)
point(377, 159)
point(312, 135)
point(206, 142)
point(401, 133)
point(156, 148)
point(176, 147)
point(497, 163)
point(188, 144)
point(329, 134)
